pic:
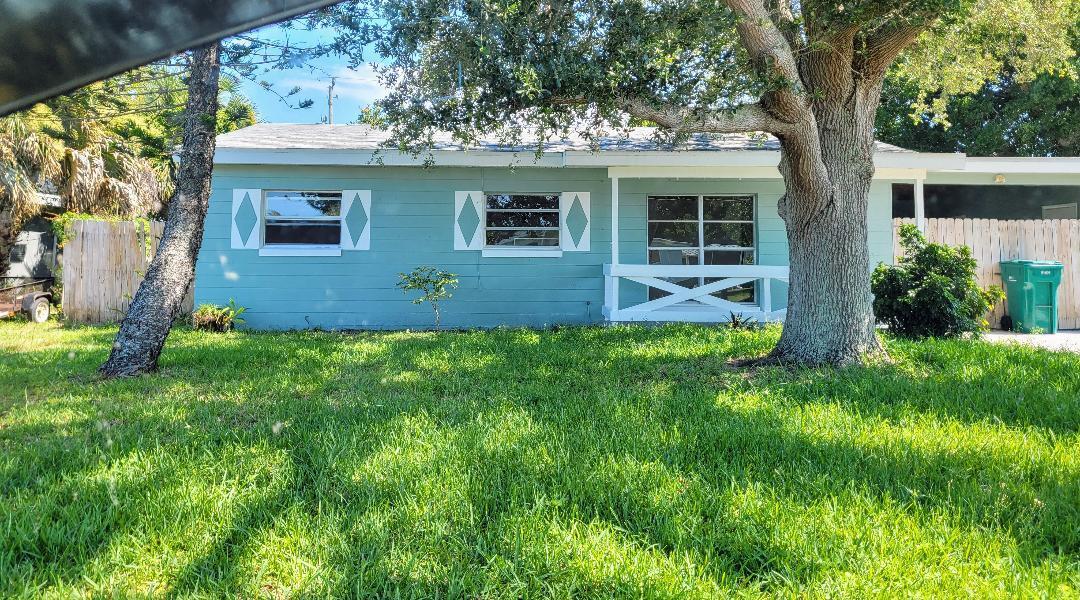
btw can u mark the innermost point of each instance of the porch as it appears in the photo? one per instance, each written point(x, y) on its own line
point(694, 248)
point(700, 243)
point(696, 304)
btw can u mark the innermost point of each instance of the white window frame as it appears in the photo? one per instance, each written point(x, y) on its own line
point(298, 249)
point(701, 249)
point(522, 251)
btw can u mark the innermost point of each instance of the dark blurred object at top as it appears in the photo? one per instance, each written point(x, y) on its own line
point(48, 47)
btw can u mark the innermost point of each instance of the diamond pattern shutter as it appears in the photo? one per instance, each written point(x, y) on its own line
point(468, 220)
point(356, 219)
point(246, 219)
point(576, 218)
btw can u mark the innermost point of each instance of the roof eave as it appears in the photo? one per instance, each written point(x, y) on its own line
point(570, 158)
point(394, 158)
point(1026, 164)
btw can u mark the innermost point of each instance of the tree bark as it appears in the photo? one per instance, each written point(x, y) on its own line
point(8, 236)
point(160, 297)
point(830, 317)
point(826, 96)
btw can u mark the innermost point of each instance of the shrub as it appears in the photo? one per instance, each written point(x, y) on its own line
point(434, 285)
point(932, 291)
point(741, 322)
point(211, 317)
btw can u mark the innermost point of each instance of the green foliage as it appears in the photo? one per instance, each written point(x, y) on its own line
point(615, 462)
point(372, 116)
point(980, 40)
point(29, 161)
point(61, 223)
point(1007, 116)
point(116, 138)
point(477, 71)
point(434, 286)
point(518, 68)
point(932, 291)
point(737, 321)
point(217, 319)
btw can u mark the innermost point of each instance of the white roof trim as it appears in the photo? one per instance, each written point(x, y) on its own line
point(747, 158)
point(393, 158)
point(737, 172)
point(482, 158)
point(1038, 164)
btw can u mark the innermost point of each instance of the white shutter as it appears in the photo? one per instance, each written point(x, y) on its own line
point(575, 215)
point(468, 220)
point(247, 216)
point(356, 219)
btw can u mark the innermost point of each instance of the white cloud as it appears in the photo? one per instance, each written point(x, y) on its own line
point(352, 90)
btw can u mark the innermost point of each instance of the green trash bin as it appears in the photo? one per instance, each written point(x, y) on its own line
point(1031, 290)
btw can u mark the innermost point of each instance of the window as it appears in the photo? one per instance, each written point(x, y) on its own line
point(18, 253)
point(702, 230)
point(303, 218)
point(521, 221)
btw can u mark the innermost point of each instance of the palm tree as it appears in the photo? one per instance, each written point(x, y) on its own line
point(29, 160)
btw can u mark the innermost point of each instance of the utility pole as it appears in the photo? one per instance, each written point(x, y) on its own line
point(330, 101)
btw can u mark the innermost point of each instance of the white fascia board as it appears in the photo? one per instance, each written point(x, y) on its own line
point(696, 172)
point(1040, 164)
point(747, 172)
point(929, 161)
point(913, 161)
point(392, 158)
point(689, 158)
point(742, 163)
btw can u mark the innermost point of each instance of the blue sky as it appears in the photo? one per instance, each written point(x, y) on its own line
point(354, 88)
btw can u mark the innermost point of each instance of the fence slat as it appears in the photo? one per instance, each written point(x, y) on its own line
point(103, 265)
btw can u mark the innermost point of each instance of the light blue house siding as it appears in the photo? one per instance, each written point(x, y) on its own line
point(412, 216)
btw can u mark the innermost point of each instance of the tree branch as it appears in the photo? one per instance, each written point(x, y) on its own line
point(748, 117)
point(783, 16)
point(773, 57)
point(883, 48)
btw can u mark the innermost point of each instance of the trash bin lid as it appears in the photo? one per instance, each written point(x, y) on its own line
point(1035, 263)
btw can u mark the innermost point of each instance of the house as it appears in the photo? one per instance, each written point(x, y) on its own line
point(310, 225)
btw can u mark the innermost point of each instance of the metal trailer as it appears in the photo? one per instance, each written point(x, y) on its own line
point(32, 297)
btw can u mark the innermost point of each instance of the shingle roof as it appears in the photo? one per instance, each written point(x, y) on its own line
point(282, 136)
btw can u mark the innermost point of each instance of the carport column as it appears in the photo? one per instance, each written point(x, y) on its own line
point(920, 205)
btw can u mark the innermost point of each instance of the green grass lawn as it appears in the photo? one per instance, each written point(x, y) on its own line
point(582, 462)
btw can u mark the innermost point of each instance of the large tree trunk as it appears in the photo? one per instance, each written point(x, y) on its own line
point(160, 297)
point(830, 318)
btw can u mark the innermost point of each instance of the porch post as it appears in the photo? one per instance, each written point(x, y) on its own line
point(614, 220)
point(920, 206)
point(612, 283)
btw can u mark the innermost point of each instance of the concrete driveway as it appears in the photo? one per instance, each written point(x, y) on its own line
point(1062, 340)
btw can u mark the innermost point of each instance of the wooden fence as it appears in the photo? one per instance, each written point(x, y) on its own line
point(992, 241)
point(103, 265)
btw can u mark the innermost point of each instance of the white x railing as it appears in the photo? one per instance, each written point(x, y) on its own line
point(695, 304)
